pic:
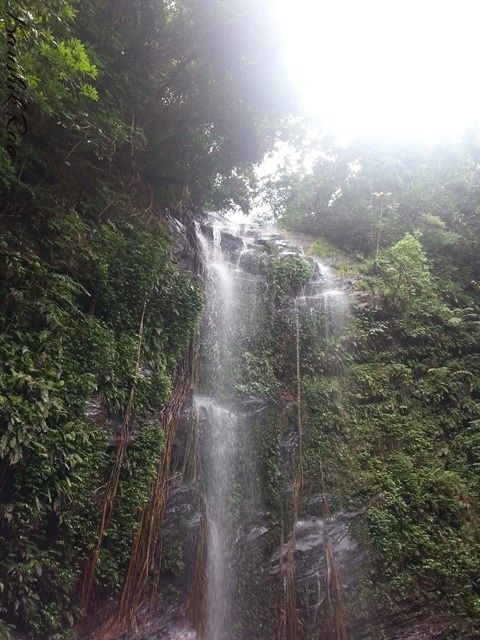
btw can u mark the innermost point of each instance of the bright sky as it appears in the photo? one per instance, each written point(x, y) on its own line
point(386, 67)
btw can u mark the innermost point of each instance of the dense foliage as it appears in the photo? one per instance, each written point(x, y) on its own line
point(367, 195)
point(170, 97)
point(129, 111)
point(121, 112)
point(392, 399)
point(73, 300)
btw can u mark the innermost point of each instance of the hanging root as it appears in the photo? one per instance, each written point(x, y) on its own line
point(290, 608)
point(112, 484)
point(290, 594)
point(287, 628)
point(287, 625)
point(189, 468)
point(333, 590)
point(299, 472)
point(146, 550)
point(197, 597)
point(196, 603)
point(287, 604)
point(281, 594)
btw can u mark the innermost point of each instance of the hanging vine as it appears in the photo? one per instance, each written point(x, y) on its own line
point(333, 590)
point(333, 593)
point(290, 607)
point(147, 545)
point(197, 597)
point(113, 481)
point(141, 580)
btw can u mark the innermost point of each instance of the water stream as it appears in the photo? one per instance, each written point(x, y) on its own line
point(231, 304)
point(226, 446)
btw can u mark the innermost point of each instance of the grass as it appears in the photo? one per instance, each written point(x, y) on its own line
point(322, 248)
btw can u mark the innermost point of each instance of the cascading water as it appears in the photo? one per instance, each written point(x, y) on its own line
point(248, 444)
point(223, 438)
point(306, 559)
point(322, 294)
point(220, 446)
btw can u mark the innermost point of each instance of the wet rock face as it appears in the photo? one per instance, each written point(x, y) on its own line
point(310, 550)
point(182, 228)
point(183, 517)
point(230, 243)
point(166, 622)
point(433, 628)
point(310, 564)
point(183, 512)
point(409, 621)
point(246, 241)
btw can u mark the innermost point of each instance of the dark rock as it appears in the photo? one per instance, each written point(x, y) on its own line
point(230, 243)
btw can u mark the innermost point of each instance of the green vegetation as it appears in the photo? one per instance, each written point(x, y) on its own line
point(416, 405)
point(139, 112)
point(137, 473)
point(392, 400)
point(73, 299)
point(366, 196)
point(286, 274)
point(132, 110)
point(322, 248)
point(392, 408)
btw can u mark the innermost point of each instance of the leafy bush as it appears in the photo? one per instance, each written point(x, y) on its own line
point(73, 299)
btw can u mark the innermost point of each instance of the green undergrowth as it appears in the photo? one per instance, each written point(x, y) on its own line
point(74, 287)
point(286, 275)
point(392, 409)
point(322, 248)
point(137, 473)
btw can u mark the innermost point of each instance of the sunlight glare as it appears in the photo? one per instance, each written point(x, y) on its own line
point(396, 68)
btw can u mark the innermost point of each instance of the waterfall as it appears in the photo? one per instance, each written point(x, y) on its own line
point(220, 441)
point(246, 544)
point(223, 438)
